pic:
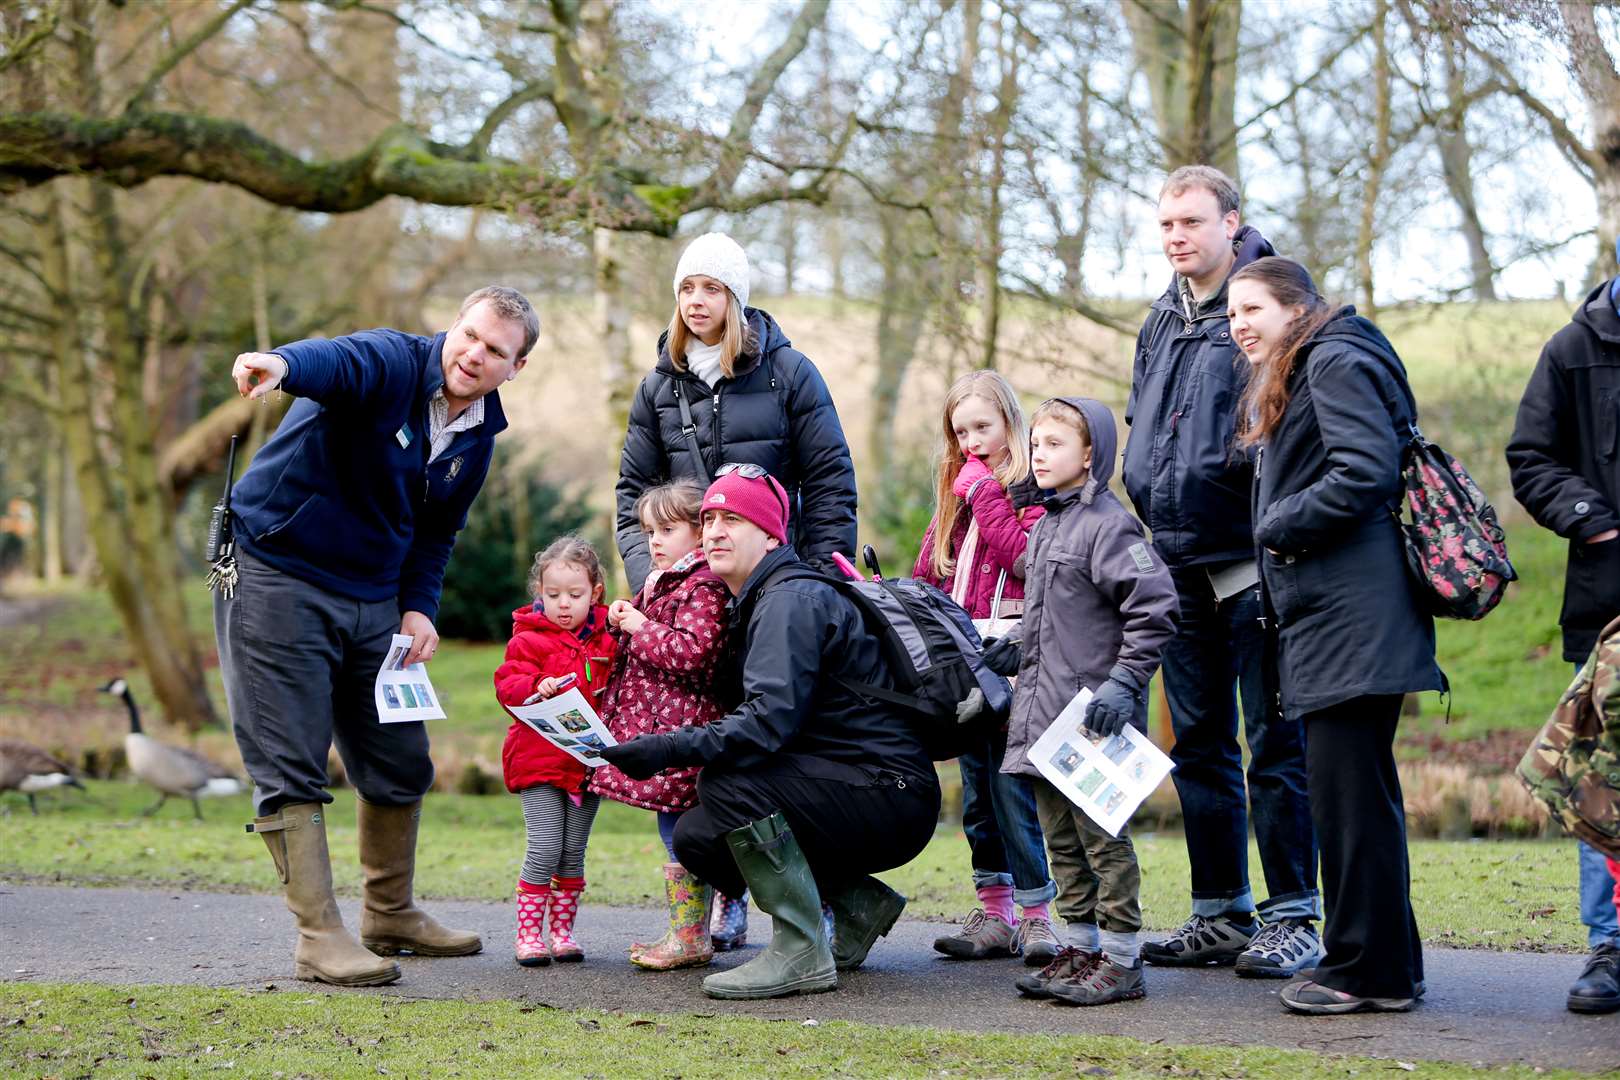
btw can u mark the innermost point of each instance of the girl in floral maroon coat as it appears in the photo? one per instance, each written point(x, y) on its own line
point(671, 640)
point(563, 634)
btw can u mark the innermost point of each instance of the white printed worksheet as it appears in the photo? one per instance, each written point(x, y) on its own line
point(1106, 776)
point(405, 693)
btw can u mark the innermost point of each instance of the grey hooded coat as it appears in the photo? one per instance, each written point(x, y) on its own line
point(1096, 595)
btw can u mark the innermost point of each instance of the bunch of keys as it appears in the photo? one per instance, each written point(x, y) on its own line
point(221, 549)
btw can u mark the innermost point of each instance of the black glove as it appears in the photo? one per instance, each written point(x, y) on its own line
point(1001, 656)
point(641, 758)
point(1113, 705)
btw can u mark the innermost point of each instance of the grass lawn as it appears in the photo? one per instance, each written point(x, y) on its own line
point(1487, 894)
point(53, 1030)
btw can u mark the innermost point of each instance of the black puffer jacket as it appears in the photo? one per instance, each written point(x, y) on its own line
point(776, 412)
point(1332, 560)
point(1565, 461)
point(1189, 486)
point(797, 634)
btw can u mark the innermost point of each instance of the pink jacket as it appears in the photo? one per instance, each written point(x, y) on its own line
point(1003, 536)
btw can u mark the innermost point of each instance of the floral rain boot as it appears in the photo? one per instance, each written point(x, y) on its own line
point(687, 944)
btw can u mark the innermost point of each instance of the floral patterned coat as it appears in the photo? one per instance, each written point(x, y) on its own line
point(664, 679)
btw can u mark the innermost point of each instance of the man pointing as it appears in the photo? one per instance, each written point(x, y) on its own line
point(344, 524)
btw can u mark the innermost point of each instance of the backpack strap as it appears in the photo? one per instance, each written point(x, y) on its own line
point(689, 432)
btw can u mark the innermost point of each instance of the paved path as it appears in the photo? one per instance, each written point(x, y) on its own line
point(1481, 1007)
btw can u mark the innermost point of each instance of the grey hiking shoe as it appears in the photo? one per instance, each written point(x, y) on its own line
point(1281, 950)
point(1202, 940)
point(1067, 963)
point(1037, 942)
point(1314, 999)
point(1102, 983)
point(981, 937)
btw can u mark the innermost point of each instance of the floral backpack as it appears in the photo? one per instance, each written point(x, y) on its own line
point(1456, 550)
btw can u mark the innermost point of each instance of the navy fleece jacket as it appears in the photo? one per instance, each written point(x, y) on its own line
point(342, 496)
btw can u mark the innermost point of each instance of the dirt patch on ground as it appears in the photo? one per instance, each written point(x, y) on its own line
point(1497, 752)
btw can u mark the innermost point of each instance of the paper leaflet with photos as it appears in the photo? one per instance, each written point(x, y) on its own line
point(404, 693)
point(1107, 777)
point(568, 722)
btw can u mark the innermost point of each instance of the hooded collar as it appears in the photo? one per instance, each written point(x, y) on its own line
point(1597, 313)
point(1104, 444)
point(768, 337)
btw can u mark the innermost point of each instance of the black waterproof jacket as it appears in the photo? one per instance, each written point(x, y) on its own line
point(1565, 461)
point(776, 412)
point(797, 634)
point(1189, 485)
point(1333, 564)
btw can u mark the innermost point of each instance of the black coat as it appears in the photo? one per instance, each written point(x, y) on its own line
point(1188, 484)
point(776, 412)
point(797, 634)
point(1565, 461)
point(1349, 619)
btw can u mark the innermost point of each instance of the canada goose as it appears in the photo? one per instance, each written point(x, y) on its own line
point(26, 768)
point(173, 770)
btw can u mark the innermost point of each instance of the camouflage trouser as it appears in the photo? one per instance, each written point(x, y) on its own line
point(1097, 875)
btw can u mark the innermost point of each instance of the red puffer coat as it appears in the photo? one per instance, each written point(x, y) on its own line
point(541, 649)
point(663, 680)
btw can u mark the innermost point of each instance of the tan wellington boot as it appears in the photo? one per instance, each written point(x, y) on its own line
point(392, 922)
point(296, 837)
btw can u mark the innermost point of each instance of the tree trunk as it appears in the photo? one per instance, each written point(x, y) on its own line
point(901, 313)
point(1007, 46)
point(612, 308)
point(1187, 49)
point(1377, 160)
point(1456, 162)
point(1600, 85)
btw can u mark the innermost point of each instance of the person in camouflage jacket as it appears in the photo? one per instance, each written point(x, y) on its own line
point(1574, 767)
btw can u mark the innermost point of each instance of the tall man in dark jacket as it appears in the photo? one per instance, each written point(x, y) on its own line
point(1191, 487)
point(344, 524)
point(1565, 462)
point(808, 787)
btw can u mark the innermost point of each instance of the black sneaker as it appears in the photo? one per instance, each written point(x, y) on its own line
point(1202, 940)
point(1598, 988)
point(1068, 963)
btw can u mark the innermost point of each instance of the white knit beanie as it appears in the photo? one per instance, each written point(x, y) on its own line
point(718, 256)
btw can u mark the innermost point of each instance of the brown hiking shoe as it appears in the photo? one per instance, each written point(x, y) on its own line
point(981, 937)
point(1068, 963)
point(1103, 983)
point(1037, 942)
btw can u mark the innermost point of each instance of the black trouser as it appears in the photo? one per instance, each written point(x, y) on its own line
point(300, 666)
point(1373, 949)
point(846, 827)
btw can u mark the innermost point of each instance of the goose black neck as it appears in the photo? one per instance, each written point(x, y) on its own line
point(134, 713)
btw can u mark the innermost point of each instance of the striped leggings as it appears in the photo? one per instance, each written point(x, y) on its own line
point(557, 833)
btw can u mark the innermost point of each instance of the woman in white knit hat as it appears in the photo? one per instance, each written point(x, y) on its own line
point(728, 387)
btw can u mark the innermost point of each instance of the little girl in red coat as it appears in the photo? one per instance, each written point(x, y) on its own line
point(671, 641)
point(565, 632)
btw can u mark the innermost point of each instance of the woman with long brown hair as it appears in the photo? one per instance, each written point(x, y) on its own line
point(1329, 410)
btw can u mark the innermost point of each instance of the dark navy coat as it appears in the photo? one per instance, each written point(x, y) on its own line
point(776, 412)
point(1188, 483)
point(1349, 620)
point(342, 495)
point(1565, 461)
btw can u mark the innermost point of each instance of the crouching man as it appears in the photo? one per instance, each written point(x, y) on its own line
point(807, 788)
point(343, 525)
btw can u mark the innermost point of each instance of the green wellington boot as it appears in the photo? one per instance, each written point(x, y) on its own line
point(798, 960)
point(862, 913)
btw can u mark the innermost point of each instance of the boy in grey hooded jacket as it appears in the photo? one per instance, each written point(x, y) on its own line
point(1099, 607)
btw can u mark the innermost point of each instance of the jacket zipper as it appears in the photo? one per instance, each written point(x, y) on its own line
point(719, 457)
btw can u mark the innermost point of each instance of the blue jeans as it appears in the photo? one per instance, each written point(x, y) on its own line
point(1597, 898)
point(1003, 831)
point(1222, 651)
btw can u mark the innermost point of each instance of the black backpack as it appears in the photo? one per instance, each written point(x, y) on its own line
point(933, 653)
